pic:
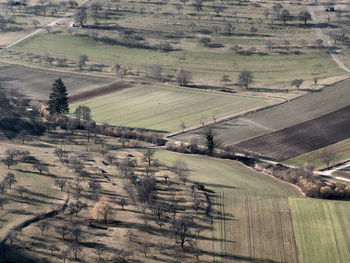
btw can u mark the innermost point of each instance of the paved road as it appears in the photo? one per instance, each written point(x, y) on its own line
point(325, 41)
point(51, 24)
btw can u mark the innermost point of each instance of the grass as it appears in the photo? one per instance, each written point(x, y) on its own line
point(321, 229)
point(302, 109)
point(259, 218)
point(202, 63)
point(164, 108)
point(314, 158)
point(250, 208)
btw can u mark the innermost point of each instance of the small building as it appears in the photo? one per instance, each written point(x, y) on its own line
point(72, 24)
point(330, 9)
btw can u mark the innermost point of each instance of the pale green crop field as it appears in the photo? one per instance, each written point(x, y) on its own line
point(163, 108)
point(299, 110)
point(203, 63)
point(260, 219)
point(314, 158)
point(322, 230)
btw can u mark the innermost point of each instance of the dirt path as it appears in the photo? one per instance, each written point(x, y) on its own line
point(51, 24)
point(325, 41)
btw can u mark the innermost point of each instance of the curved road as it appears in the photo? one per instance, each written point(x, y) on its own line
point(325, 41)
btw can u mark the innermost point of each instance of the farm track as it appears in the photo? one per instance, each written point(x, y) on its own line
point(325, 41)
point(53, 23)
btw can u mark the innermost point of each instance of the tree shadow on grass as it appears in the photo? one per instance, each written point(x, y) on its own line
point(14, 255)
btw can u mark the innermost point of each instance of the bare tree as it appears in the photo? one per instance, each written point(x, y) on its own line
point(328, 155)
point(245, 78)
point(182, 230)
point(62, 230)
point(76, 249)
point(21, 190)
point(297, 83)
point(61, 183)
point(304, 16)
point(182, 77)
point(148, 156)
point(181, 169)
point(43, 226)
point(123, 203)
point(13, 237)
point(77, 207)
point(10, 179)
point(40, 167)
point(3, 201)
point(145, 248)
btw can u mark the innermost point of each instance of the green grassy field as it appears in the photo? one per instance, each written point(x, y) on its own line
point(314, 158)
point(321, 229)
point(201, 62)
point(260, 219)
point(302, 109)
point(164, 108)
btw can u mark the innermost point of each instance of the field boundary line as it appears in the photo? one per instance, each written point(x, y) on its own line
point(10, 62)
point(325, 41)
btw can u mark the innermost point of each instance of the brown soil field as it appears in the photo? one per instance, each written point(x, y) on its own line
point(301, 138)
point(36, 83)
point(110, 88)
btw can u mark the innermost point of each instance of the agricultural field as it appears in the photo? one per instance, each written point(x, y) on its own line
point(218, 38)
point(301, 138)
point(36, 83)
point(252, 207)
point(316, 158)
point(296, 111)
point(164, 108)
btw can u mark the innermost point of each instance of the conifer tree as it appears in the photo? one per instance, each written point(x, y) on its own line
point(58, 101)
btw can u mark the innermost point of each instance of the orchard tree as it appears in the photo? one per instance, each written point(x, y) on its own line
point(245, 78)
point(304, 16)
point(297, 83)
point(58, 102)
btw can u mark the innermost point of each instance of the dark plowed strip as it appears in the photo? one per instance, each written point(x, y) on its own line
point(99, 91)
point(301, 138)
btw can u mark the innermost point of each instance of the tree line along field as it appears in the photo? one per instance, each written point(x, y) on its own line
point(296, 111)
point(36, 83)
point(166, 108)
point(301, 138)
point(244, 35)
point(252, 207)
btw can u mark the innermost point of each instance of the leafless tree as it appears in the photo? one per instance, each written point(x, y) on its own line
point(21, 190)
point(10, 179)
point(145, 248)
point(13, 237)
point(43, 226)
point(328, 155)
point(181, 169)
point(182, 77)
point(123, 203)
point(76, 207)
point(40, 167)
point(61, 183)
point(62, 230)
point(3, 201)
point(148, 156)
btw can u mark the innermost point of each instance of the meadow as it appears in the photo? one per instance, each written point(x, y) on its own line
point(315, 159)
point(241, 36)
point(296, 111)
point(164, 108)
point(251, 207)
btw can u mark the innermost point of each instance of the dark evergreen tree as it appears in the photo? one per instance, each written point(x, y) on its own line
point(58, 102)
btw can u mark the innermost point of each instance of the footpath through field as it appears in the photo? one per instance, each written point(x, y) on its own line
point(325, 41)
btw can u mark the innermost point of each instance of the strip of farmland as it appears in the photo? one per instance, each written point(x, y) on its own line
point(301, 138)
